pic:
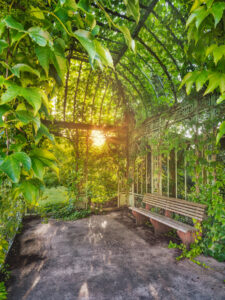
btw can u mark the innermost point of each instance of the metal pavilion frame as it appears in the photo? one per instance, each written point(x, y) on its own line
point(147, 173)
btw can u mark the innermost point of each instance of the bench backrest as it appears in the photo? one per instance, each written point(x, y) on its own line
point(179, 206)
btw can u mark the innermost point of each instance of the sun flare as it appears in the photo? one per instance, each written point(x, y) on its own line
point(98, 138)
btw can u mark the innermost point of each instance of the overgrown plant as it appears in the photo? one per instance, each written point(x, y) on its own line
point(33, 64)
point(206, 30)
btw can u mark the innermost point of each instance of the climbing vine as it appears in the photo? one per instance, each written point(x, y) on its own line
point(194, 141)
point(34, 41)
point(206, 29)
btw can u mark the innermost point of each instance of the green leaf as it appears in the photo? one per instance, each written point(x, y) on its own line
point(3, 110)
point(218, 53)
point(221, 132)
point(15, 36)
point(24, 159)
point(217, 11)
point(126, 33)
point(209, 3)
point(62, 2)
point(189, 80)
point(85, 38)
point(26, 117)
point(12, 92)
point(38, 167)
point(210, 49)
point(12, 23)
point(201, 80)
point(32, 95)
point(3, 45)
point(60, 64)
point(11, 167)
point(133, 9)
point(90, 20)
point(42, 154)
point(39, 36)
point(2, 28)
point(17, 69)
point(191, 19)
point(70, 4)
point(200, 16)
point(30, 191)
point(5, 65)
point(59, 47)
point(17, 147)
point(43, 55)
point(104, 54)
point(45, 100)
point(51, 165)
point(2, 80)
point(46, 157)
point(84, 5)
point(37, 13)
point(220, 99)
point(216, 79)
point(43, 130)
point(95, 30)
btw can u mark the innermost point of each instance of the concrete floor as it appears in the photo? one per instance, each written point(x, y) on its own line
point(105, 257)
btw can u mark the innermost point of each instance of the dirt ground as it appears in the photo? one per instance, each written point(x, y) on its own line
point(105, 257)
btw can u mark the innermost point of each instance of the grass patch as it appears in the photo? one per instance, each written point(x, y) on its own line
point(54, 196)
point(56, 203)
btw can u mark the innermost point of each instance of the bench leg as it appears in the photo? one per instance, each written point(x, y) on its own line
point(168, 214)
point(159, 228)
point(140, 219)
point(148, 207)
point(187, 238)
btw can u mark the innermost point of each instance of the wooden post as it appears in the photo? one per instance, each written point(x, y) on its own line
point(175, 173)
point(137, 179)
point(146, 173)
point(118, 191)
point(152, 172)
point(168, 176)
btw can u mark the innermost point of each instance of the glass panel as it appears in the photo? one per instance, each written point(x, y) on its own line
point(180, 175)
point(172, 175)
point(164, 175)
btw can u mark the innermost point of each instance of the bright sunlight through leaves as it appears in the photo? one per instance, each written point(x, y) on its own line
point(98, 138)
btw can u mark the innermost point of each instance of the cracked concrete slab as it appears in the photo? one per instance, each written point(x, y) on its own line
point(105, 257)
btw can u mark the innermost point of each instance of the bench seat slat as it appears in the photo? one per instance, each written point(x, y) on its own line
point(165, 220)
point(171, 205)
point(148, 195)
point(183, 207)
point(182, 211)
point(175, 203)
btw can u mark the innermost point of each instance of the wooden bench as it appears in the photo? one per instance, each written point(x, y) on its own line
point(164, 223)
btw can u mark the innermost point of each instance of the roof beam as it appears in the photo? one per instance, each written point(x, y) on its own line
point(103, 98)
point(135, 88)
point(161, 65)
point(176, 11)
point(85, 94)
point(163, 46)
point(82, 126)
point(114, 13)
point(134, 34)
point(133, 75)
point(178, 41)
point(76, 91)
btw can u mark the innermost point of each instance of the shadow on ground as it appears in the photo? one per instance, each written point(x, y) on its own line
point(104, 257)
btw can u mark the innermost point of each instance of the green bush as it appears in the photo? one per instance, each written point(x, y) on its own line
point(65, 211)
point(3, 293)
